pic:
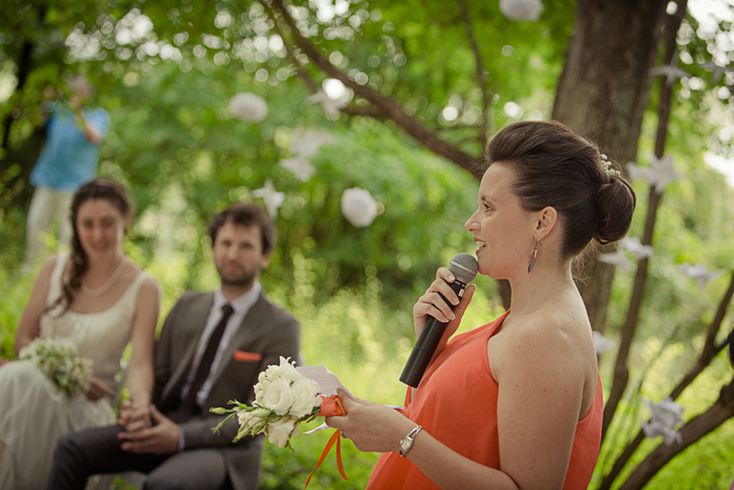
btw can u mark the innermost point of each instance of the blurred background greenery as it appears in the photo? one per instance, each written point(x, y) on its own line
point(166, 71)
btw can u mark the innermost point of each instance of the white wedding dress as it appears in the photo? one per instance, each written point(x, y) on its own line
point(34, 412)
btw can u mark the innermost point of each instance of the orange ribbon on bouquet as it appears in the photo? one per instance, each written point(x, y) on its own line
point(331, 406)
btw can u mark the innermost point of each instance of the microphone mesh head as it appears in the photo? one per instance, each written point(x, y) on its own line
point(464, 267)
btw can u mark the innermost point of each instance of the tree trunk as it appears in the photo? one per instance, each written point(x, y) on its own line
point(602, 94)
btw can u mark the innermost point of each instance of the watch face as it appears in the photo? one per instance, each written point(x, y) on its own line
point(405, 444)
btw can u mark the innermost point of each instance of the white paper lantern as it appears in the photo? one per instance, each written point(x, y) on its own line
point(248, 107)
point(521, 10)
point(358, 207)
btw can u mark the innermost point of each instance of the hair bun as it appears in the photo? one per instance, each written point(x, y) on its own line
point(615, 204)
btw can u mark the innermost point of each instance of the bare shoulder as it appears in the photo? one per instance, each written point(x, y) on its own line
point(150, 290)
point(557, 326)
point(548, 339)
point(43, 278)
point(48, 266)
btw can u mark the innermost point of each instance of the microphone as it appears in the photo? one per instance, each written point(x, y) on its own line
point(464, 267)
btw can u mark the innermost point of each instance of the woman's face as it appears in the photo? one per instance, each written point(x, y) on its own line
point(101, 227)
point(503, 230)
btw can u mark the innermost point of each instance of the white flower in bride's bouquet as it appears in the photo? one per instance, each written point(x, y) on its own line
point(305, 397)
point(359, 207)
point(58, 360)
point(279, 432)
point(278, 396)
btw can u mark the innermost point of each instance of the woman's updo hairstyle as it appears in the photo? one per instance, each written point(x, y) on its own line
point(556, 167)
point(99, 188)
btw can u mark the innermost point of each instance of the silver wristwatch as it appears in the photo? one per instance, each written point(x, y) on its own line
point(407, 442)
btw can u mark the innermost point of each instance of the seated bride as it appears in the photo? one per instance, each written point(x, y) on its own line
point(97, 300)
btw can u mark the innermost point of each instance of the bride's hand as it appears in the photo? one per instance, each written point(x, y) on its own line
point(132, 417)
point(431, 304)
point(97, 389)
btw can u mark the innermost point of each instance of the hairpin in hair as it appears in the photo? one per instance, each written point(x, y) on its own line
point(608, 166)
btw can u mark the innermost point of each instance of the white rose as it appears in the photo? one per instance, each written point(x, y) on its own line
point(279, 432)
point(285, 369)
point(288, 371)
point(278, 396)
point(305, 394)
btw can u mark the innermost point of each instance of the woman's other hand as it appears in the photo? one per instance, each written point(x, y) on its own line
point(371, 426)
point(97, 389)
point(431, 304)
point(133, 417)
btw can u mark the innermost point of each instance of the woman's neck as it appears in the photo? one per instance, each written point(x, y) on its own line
point(531, 291)
point(105, 264)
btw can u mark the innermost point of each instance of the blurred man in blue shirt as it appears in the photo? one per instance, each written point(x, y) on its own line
point(68, 160)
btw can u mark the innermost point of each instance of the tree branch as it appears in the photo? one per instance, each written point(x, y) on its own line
point(709, 351)
point(305, 76)
point(691, 432)
point(392, 109)
point(621, 374)
point(481, 79)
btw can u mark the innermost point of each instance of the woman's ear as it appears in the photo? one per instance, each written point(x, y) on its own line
point(547, 219)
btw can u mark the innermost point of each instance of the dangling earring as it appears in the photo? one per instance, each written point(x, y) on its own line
point(533, 256)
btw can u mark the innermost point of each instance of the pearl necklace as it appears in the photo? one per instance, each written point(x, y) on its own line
point(93, 293)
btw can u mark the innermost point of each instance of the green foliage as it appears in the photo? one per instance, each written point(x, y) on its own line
point(183, 156)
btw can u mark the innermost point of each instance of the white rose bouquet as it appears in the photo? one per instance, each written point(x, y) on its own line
point(60, 362)
point(283, 399)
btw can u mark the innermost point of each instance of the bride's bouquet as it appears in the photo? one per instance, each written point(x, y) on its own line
point(283, 399)
point(60, 362)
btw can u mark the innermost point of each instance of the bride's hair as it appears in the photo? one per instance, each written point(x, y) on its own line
point(99, 188)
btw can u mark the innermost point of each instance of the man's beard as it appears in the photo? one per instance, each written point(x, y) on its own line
point(243, 279)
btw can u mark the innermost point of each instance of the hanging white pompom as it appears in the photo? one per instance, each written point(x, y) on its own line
point(358, 207)
point(521, 10)
point(248, 107)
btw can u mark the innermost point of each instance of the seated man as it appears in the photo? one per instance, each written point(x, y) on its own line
point(195, 370)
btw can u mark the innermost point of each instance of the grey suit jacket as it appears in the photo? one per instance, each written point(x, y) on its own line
point(266, 330)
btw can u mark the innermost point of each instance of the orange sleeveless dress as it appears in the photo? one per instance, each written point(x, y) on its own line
point(458, 382)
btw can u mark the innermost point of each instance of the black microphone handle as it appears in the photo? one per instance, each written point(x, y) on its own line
point(427, 343)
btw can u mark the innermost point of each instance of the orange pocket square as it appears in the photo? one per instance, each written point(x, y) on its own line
point(242, 356)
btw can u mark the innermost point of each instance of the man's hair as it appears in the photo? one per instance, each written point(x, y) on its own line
point(246, 214)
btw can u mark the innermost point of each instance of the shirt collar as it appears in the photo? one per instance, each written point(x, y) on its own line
point(242, 303)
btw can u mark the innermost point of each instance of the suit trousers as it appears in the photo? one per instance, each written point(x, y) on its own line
point(98, 451)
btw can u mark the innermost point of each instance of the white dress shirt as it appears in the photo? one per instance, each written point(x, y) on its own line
point(241, 307)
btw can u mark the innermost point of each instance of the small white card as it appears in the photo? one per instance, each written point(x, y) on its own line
point(328, 382)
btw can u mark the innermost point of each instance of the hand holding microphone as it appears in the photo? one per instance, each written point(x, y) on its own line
point(464, 268)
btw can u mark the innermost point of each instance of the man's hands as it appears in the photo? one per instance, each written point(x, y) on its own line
point(163, 438)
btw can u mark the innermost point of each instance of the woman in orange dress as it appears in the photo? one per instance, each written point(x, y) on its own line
point(516, 403)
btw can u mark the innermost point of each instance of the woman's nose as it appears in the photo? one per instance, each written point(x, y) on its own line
point(471, 224)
